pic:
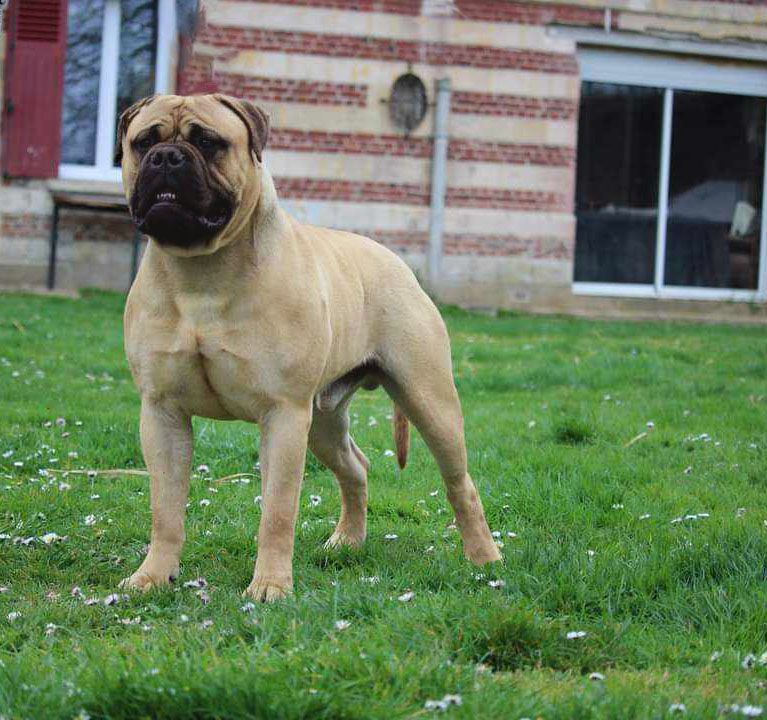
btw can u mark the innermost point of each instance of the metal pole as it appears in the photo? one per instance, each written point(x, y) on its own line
point(438, 183)
point(54, 242)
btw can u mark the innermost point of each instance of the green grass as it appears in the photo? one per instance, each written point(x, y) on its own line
point(550, 405)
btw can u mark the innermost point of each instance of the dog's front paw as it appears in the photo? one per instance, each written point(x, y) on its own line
point(268, 589)
point(145, 579)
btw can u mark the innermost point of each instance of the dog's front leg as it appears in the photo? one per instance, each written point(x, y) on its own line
point(166, 440)
point(284, 434)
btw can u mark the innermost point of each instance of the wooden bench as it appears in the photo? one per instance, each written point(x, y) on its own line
point(96, 202)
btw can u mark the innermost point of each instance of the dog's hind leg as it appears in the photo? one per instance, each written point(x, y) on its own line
point(420, 380)
point(331, 443)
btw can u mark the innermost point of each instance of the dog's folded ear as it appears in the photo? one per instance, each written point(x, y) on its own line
point(126, 118)
point(255, 119)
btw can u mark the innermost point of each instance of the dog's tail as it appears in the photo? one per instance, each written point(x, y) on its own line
point(401, 436)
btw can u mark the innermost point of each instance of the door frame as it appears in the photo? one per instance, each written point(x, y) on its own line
point(652, 69)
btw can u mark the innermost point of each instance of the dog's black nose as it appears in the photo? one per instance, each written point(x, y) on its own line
point(167, 156)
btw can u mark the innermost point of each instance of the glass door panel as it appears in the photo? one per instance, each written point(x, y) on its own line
point(715, 190)
point(619, 151)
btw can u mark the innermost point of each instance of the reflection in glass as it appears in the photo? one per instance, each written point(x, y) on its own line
point(619, 138)
point(81, 82)
point(715, 190)
point(138, 42)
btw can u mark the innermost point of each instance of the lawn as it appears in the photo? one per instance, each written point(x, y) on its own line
point(656, 549)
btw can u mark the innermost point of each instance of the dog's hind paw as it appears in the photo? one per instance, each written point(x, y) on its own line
point(145, 581)
point(267, 590)
point(341, 538)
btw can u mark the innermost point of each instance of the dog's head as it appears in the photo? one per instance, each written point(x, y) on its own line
point(191, 168)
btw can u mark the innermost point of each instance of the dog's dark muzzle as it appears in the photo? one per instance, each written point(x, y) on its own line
point(174, 200)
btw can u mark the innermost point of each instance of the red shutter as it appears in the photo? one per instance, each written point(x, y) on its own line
point(34, 85)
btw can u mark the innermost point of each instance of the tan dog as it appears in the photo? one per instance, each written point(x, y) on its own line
point(239, 312)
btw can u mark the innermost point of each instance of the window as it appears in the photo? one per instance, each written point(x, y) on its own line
point(670, 179)
point(118, 51)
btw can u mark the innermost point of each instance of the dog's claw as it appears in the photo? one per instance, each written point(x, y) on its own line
point(267, 590)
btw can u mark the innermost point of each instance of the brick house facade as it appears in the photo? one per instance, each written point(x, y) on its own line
point(324, 70)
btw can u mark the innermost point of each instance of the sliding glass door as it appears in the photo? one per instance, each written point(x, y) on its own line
point(670, 179)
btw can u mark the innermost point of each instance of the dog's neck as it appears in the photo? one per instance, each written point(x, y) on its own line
point(233, 264)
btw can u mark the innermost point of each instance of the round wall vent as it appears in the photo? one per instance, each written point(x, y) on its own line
point(408, 101)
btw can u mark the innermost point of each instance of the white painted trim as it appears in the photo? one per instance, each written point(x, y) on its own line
point(762, 282)
point(167, 38)
point(665, 166)
point(89, 172)
point(627, 290)
point(635, 41)
point(107, 105)
point(681, 73)
point(675, 292)
point(614, 289)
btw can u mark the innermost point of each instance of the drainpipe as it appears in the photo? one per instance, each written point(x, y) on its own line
point(438, 183)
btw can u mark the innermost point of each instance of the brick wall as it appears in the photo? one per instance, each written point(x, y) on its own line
point(324, 69)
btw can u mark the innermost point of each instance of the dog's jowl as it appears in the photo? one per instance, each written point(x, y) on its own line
point(241, 312)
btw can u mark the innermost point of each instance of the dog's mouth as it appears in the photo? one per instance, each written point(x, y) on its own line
point(170, 218)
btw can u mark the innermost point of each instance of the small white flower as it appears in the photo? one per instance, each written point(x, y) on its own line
point(64, 486)
point(435, 705)
point(73, 454)
point(204, 502)
point(314, 500)
point(646, 516)
point(50, 629)
point(677, 708)
point(90, 520)
point(497, 583)
point(388, 453)
point(512, 535)
point(453, 699)
point(390, 536)
point(650, 424)
point(617, 506)
point(591, 553)
point(76, 592)
point(50, 538)
point(406, 597)
point(596, 676)
point(112, 599)
point(740, 512)
point(688, 470)
point(748, 662)
point(675, 521)
point(95, 497)
point(496, 533)
point(92, 601)
point(4, 589)
point(18, 464)
point(13, 616)
point(342, 624)
point(751, 710)
point(248, 607)
point(372, 580)
point(715, 656)
point(531, 424)
point(258, 499)
point(372, 422)
point(197, 583)
point(7, 454)
point(203, 469)
point(183, 618)
point(205, 624)
point(576, 634)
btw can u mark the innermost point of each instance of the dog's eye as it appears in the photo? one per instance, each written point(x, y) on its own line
point(144, 143)
point(206, 142)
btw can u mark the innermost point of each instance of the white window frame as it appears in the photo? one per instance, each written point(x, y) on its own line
point(649, 69)
point(103, 168)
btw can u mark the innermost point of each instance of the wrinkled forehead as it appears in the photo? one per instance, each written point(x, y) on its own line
point(174, 114)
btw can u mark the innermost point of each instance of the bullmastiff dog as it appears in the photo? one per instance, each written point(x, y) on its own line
point(240, 312)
